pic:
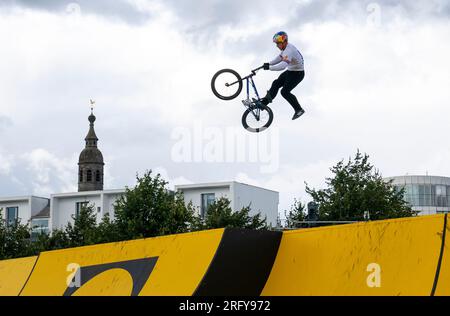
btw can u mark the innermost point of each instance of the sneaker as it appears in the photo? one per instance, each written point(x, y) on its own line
point(265, 101)
point(298, 114)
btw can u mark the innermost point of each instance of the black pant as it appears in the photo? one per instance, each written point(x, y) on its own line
point(288, 80)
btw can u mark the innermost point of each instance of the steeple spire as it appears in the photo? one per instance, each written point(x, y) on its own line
point(90, 170)
point(91, 138)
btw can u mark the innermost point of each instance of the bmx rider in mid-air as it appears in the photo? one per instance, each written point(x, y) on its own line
point(291, 58)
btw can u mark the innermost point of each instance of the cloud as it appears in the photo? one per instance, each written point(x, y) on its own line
point(48, 172)
point(6, 162)
point(119, 10)
point(37, 172)
point(171, 182)
point(5, 122)
point(290, 180)
point(205, 19)
point(380, 87)
point(358, 11)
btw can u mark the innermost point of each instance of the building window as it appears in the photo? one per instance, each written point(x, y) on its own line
point(89, 176)
point(207, 200)
point(426, 195)
point(441, 195)
point(79, 206)
point(39, 227)
point(97, 176)
point(80, 176)
point(12, 215)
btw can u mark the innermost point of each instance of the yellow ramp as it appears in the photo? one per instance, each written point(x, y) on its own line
point(13, 275)
point(393, 257)
point(169, 265)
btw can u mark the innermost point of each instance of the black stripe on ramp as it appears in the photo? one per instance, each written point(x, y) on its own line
point(31, 272)
point(242, 263)
point(438, 269)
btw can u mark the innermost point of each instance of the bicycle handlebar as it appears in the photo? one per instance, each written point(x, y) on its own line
point(255, 70)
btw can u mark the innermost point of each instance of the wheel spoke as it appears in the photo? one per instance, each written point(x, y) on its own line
point(255, 123)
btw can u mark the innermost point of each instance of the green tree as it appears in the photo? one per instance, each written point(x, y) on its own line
point(356, 188)
point(150, 209)
point(46, 242)
point(107, 231)
point(84, 229)
point(15, 239)
point(220, 215)
point(297, 213)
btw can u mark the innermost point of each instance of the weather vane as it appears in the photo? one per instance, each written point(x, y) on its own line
point(92, 104)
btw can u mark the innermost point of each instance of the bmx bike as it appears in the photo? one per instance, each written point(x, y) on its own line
point(227, 84)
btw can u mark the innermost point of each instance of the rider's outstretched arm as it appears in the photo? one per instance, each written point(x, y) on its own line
point(278, 64)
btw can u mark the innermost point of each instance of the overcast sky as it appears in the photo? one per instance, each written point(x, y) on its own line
point(377, 80)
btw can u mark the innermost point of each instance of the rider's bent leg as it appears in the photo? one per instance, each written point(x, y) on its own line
point(293, 78)
point(273, 91)
point(291, 99)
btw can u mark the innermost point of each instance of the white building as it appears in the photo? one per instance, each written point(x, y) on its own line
point(33, 210)
point(56, 212)
point(240, 195)
point(65, 205)
point(426, 194)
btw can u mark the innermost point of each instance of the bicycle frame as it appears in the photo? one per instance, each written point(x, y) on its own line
point(249, 79)
point(256, 111)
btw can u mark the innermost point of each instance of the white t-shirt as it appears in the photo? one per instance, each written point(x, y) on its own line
point(290, 57)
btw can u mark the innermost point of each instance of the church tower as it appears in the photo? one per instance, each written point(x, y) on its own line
point(90, 164)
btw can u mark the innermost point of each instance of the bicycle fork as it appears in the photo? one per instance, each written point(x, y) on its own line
point(257, 111)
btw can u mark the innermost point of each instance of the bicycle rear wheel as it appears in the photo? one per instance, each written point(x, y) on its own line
point(226, 84)
point(257, 118)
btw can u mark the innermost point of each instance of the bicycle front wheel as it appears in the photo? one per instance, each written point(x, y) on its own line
point(226, 84)
point(257, 118)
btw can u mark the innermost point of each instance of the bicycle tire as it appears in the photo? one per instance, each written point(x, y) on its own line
point(215, 90)
point(259, 129)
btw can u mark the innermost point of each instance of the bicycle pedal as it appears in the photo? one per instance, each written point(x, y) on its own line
point(247, 102)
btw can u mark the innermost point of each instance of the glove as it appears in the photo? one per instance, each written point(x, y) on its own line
point(266, 66)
